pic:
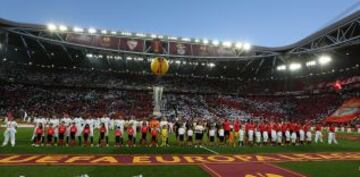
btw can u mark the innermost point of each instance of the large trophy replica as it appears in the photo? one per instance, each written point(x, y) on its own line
point(159, 67)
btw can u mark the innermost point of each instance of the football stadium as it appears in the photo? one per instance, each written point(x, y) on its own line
point(90, 102)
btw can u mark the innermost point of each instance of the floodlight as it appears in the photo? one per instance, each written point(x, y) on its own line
point(324, 59)
point(126, 33)
point(185, 39)
point(211, 65)
point(239, 45)
point(247, 46)
point(294, 66)
point(215, 42)
point(77, 29)
point(311, 63)
point(140, 35)
point(172, 38)
point(51, 27)
point(89, 55)
point(63, 28)
point(281, 67)
point(227, 44)
point(92, 30)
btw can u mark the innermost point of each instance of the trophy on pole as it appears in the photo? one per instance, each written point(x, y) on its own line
point(159, 67)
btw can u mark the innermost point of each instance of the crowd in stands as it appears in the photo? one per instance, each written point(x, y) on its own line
point(110, 80)
point(89, 78)
point(46, 101)
point(46, 92)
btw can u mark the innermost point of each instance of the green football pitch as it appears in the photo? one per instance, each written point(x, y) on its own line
point(315, 169)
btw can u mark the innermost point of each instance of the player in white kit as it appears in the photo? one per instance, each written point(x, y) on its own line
point(79, 123)
point(10, 130)
point(120, 122)
point(242, 135)
point(67, 122)
point(55, 122)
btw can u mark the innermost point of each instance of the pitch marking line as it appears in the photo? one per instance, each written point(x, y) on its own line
point(289, 171)
point(212, 151)
point(210, 171)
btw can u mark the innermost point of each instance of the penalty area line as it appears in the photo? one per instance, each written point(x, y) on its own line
point(212, 151)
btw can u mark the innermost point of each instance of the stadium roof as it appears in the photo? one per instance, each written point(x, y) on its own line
point(132, 52)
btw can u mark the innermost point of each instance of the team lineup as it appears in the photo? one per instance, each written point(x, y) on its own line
point(78, 131)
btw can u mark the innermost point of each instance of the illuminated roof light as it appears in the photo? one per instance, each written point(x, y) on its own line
point(92, 30)
point(281, 67)
point(51, 27)
point(89, 55)
point(126, 33)
point(205, 41)
point(185, 39)
point(139, 59)
point(153, 36)
point(197, 40)
point(103, 31)
point(215, 42)
point(324, 59)
point(172, 38)
point(113, 32)
point(63, 28)
point(238, 45)
point(77, 29)
point(140, 35)
point(247, 46)
point(160, 36)
point(227, 44)
point(177, 61)
point(294, 66)
point(311, 63)
point(211, 65)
